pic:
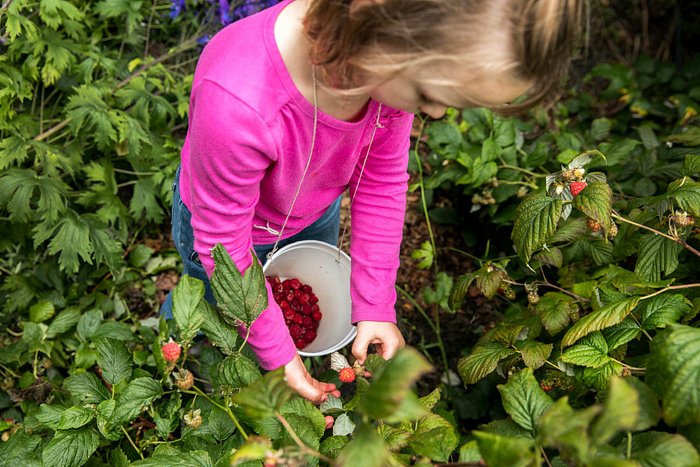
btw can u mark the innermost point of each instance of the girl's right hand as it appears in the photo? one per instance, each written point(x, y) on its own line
point(305, 385)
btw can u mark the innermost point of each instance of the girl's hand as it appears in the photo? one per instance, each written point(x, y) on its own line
point(305, 385)
point(386, 337)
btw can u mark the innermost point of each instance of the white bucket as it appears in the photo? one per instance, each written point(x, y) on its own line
point(318, 265)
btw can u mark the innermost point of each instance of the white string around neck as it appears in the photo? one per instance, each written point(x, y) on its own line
point(377, 124)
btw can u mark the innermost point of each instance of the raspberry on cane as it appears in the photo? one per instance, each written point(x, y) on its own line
point(329, 422)
point(577, 187)
point(347, 375)
point(171, 351)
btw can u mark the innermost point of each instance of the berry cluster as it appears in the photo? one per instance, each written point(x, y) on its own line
point(299, 306)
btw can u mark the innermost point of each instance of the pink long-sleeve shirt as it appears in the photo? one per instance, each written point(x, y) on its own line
point(247, 144)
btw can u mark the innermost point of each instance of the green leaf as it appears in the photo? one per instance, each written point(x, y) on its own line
point(390, 388)
point(343, 425)
point(70, 448)
point(674, 373)
point(366, 449)
point(565, 429)
point(459, 290)
point(303, 408)
point(86, 388)
point(41, 311)
point(554, 310)
point(395, 439)
point(240, 298)
point(620, 412)
point(535, 222)
point(264, 397)
point(219, 333)
point(501, 450)
point(590, 351)
point(435, 438)
point(489, 150)
point(187, 298)
point(534, 353)
point(196, 458)
point(114, 359)
point(482, 361)
point(648, 406)
point(72, 241)
point(425, 254)
point(662, 310)
point(139, 393)
point(75, 417)
point(49, 415)
point(88, 113)
point(523, 399)
point(21, 449)
point(600, 319)
point(691, 165)
point(63, 322)
point(237, 371)
point(489, 279)
point(657, 256)
point(656, 449)
point(621, 333)
point(441, 294)
point(331, 446)
point(686, 193)
point(595, 201)
point(599, 377)
point(88, 323)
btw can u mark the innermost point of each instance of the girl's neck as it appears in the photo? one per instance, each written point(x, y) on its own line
point(294, 48)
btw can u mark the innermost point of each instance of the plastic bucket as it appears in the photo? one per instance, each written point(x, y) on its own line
point(318, 265)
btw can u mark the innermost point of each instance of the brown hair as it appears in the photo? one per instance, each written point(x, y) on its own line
point(354, 38)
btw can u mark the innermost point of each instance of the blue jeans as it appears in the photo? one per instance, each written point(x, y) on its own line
point(325, 229)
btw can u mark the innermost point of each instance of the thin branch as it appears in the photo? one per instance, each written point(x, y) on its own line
point(304, 448)
point(671, 287)
point(680, 241)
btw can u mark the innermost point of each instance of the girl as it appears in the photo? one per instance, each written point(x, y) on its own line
point(292, 106)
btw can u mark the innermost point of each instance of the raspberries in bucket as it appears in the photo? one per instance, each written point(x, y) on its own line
point(299, 307)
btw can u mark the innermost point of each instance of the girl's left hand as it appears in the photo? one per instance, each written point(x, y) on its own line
point(385, 336)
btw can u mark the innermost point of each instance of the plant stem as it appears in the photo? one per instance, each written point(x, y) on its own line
point(245, 341)
point(520, 169)
point(424, 205)
point(640, 327)
point(131, 441)
point(419, 308)
point(304, 448)
point(671, 287)
point(130, 172)
point(467, 254)
point(199, 392)
point(629, 444)
point(680, 241)
point(628, 366)
point(517, 182)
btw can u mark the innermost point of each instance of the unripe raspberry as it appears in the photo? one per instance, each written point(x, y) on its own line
point(347, 375)
point(171, 351)
point(613, 231)
point(533, 298)
point(329, 422)
point(592, 225)
point(577, 187)
point(193, 418)
point(184, 379)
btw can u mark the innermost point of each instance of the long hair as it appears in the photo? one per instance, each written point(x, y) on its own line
point(353, 39)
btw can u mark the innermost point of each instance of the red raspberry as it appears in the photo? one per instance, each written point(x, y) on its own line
point(295, 331)
point(313, 299)
point(316, 316)
point(295, 284)
point(306, 288)
point(297, 318)
point(305, 309)
point(290, 297)
point(577, 187)
point(347, 375)
point(171, 351)
point(306, 321)
point(310, 335)
point(329, 422)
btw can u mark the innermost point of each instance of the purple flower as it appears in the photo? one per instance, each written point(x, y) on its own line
point(224, 12)
point(249, 7)
point(176, 7)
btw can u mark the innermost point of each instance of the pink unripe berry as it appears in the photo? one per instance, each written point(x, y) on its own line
point(329, 422)
point(171, 351)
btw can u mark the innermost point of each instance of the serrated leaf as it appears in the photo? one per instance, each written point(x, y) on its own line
point(21, 449)
point(674, 373)
point(428, 401)
point(394, 438)
point(86, 388)
point(72, 240)
point(41, 311)
point(343, 425)
point(590, 351)
point(303, 408)
point(63, 322)
point(366, 449)
point(75, 417)
point(686, 193)
point(620, 412)
point(562, 427)
point(621, 333)
point(533, 353)
point(657, 256)
point(550, 257)
point(197, 458)
point(501, 450)
point(187, 303)
point(389, 390)
point(652, 449)
point(535, 222)
point(331, 446)
point(662, 310)
point(70, 448)
point(218, 331)
point(595, 201)
point(599, 377)
point(648, 405)
point(459, 290)
point(114, 359)
point(332, 404)
point(523, 399)
point(554, 310)
point(264, 397)
point(240, 298)
point(137, 395)
point(237, 371)
point(482, 361)
point(435, 438)
point(489, 279)
point(691, 165)
point(600, 319)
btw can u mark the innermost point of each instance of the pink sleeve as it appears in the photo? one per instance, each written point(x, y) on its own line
point(229, 150)
point(378, 211)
